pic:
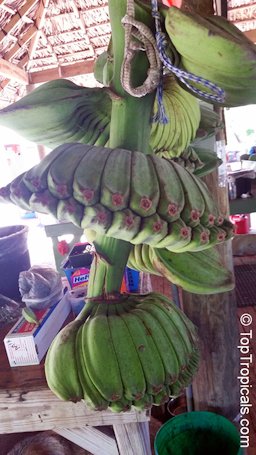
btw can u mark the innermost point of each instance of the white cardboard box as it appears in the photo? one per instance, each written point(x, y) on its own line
point(26, 343)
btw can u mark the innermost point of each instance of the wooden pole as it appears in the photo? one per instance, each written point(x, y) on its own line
point(215, 386)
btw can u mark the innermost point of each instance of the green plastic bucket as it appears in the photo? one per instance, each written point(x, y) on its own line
point(198, 433)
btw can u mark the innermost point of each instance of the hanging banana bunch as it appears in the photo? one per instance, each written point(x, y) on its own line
point(124, 173)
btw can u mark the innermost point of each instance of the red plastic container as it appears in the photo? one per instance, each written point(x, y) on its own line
point(241, 222)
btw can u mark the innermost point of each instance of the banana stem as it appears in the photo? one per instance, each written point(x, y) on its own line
point(130, 129)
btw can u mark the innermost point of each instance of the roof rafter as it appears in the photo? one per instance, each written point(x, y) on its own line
point(39, 22)
point(16, 18)
point(76, 69)
point(11, 71)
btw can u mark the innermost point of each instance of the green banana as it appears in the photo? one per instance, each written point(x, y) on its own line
point(29, 315)
point(70, 210)
point(144, 403)
point(162, 343)
point(97, 217)
point(171, 200)
point(91, 395)
point(36, 178)
point(194, 202)
point(61, 378)
point(225, 57)
point(87, 176)
point(116, 187)
point(149, 357)
point(152, 230)
point(100, 357)
point(174, 336)
point(59, 182)
point(19, 192)
point(179, 234)
point(200, 239)
point(144, 192)
point(200, 272)
point(44, 202)
point(131, 371)
point(125, 225)
point(122, 405)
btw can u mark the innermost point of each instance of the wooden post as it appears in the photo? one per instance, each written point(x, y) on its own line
point(215, 387)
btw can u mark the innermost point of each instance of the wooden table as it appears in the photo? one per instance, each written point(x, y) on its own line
point(27, 404)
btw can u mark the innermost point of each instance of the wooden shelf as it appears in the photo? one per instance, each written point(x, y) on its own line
point(240, 205)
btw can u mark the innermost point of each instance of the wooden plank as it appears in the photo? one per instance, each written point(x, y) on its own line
point(249, 311)
point(133, 438)
point(247, 205)
point(23, 40)
point(76, 69)
point(251, 34)
point(92, 439)
point(39, 21)
point(23, 410)
point(18, 16)
point(11, 71)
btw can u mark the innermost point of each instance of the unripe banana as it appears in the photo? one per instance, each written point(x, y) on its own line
point(63, 381)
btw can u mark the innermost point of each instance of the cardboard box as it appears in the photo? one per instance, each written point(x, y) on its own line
point(77, 266)
point(77, 277)
point(26, 343)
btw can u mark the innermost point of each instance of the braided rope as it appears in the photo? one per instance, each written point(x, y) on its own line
point(217, 95)
point(141, 33)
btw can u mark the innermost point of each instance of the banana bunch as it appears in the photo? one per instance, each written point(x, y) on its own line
point(132, 351)
point(198, 160)
point(60, 112)
point(189, 159)
point(182, 109)
point(123, 194)
point(201, 272)
point(210, 123)
point(213, 48)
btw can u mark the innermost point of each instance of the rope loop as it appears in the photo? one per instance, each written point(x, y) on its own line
point(217, 95)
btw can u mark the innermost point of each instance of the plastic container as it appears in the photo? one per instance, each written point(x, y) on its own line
point(14, 258)
point(241, 222)
point(198, 433)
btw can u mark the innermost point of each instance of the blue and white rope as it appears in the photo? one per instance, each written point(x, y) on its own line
point(217, 95)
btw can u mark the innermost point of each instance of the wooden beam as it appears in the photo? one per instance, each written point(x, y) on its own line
point(13, 72)
point(23, 40)
point(16, 18)
point(251, 34)
point(39, 21)
point(77, 69)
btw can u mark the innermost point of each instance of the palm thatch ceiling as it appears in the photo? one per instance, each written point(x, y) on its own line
point(41, 40)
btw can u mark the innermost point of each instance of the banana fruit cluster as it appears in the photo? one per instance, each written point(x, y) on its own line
point(213, 48)
point(183, 112)
point(61, 111)
point(123, 194)
point(135, 351)
point(200, 273)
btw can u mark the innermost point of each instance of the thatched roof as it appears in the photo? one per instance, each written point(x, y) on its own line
point(47, 39)
point(42, 40)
